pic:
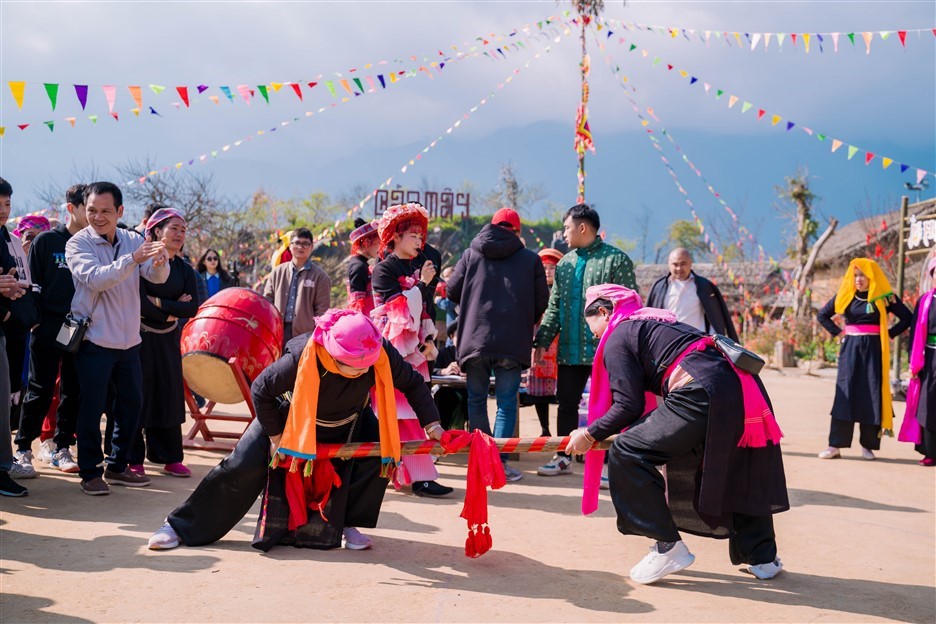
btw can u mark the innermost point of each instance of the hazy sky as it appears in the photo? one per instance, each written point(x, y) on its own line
point(884, 101)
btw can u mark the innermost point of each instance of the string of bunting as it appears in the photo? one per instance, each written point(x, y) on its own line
point(344, 86)
point(650, 132)
point(331, 230)
point(775, 119)
point(744, 234)
point(261, 133)
point(750, 40)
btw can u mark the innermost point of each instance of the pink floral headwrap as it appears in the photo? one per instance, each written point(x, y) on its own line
point(349, 337)
point(161, 215)
point(626, 303)
point(32, 221)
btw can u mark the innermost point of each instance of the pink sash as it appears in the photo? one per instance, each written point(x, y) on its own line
point(910, 427)
point(862, 330)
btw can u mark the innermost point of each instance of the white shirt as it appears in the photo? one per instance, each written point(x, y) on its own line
point(682, 299)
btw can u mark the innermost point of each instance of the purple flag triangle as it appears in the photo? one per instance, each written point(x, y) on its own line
point(381, 79)
point(82, 92)
point(202, 88)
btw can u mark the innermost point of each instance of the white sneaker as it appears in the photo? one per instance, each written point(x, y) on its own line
point(830, 453)
point(765, 571)
point(353, 539)
point(64, 461)
point(604, 484)
point(867, 454)
point(511, 473)
point(655, 565)
point(163, 539)
point(22, 467)
point(558, 465)
point(46, 450)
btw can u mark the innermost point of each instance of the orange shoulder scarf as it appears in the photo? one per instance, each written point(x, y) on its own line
point(299, 435)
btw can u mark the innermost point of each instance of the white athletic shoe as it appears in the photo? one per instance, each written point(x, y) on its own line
point(830, 453)
point(867, 454)
point(23, 466)
point(46, 450)
point(765, 571)
point(163, 539)
point(656, 565)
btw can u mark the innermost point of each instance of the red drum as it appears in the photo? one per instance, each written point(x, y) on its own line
point(235, 323)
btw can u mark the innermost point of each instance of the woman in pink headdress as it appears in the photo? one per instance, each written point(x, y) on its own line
point(919, 425)
point(336, 378)
point(159, 437)
point(402, 283)
point(714, 431)
point(365, 245)
point(29, 228)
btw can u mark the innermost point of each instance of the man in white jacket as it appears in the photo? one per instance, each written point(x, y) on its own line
point(106, 263)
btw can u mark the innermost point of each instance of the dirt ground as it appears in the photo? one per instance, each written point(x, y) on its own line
point(858, 546)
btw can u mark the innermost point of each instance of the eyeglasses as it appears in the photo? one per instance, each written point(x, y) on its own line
point(212, 258)
point(301, 244)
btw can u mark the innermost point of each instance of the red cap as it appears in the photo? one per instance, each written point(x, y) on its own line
point(507, 215)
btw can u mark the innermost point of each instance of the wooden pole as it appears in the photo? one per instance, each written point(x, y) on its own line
point(431, 447)
point(901, 260)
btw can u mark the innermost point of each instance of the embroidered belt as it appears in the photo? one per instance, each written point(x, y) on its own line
point(862, 330)
point(331, 424)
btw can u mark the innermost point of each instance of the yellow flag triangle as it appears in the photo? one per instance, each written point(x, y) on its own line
point(18, 89)
point(276, 86)
point(886, 162)
point(135, 111)
point(683, 73)
point(2, 131)
point(775, 120)
point(806, 41)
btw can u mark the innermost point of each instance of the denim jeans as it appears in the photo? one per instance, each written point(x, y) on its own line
point(506, 385)
point(97, 367)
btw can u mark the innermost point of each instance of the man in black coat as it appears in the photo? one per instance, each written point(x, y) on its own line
point(501, 290)
point(693, 299)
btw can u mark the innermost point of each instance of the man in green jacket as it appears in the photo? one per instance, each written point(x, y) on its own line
point(591, 261)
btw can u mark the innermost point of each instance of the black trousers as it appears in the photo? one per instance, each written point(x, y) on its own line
point(841, 433)
point(570, 384)
point(638, 490)
point(99, 367)
point(45, 361)
point(163, 445)
point(928, 447)
point(226, 493)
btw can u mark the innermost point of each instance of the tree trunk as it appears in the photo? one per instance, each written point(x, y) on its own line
point(803, 276)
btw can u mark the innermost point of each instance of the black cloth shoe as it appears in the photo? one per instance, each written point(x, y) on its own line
point(431, 488)
point(9, 487)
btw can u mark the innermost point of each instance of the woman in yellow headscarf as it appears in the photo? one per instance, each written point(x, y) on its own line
point(862, 389)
